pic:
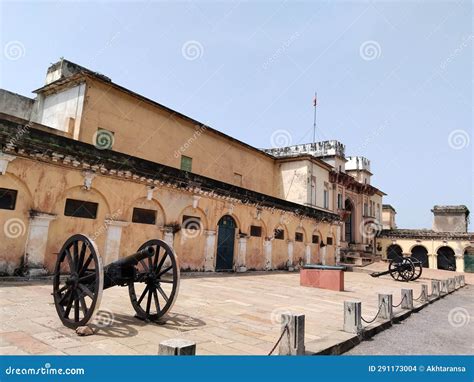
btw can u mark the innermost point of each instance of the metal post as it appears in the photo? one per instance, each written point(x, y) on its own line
point(435, 288)
point(177, 346)
point(386, 310)
point(352, 316)
point(407, 299)
point(292, 342)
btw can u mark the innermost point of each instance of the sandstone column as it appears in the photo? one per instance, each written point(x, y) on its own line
point(459, 262)
point(308, 253)
point(36, 242)
point(112, 241)
point(209, 250)
point(290, 255)
point(241, 259)
point(267, 244)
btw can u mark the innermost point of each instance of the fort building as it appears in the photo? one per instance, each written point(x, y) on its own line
point(88, 155)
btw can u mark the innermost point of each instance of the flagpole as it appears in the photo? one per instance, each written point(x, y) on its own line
point(314, 122)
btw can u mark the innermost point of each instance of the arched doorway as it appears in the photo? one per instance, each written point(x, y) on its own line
point(225, 243)
point(348, 223)
point(394, 251)
point(469, 260)
point(420, 253)
point(446, 259)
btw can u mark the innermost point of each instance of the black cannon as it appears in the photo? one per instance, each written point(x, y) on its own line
point(151, 275)
point(402, 269)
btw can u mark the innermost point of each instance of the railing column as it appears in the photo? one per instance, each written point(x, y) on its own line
point(352, 316)
point(292, 342)
point(407, 299)
point(386, 310)
point(435, 287)
point(177, 346)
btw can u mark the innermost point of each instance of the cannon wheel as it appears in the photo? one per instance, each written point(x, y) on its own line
point(418, 268)
point(157, 281)
point(401, 269)
point(78, 281)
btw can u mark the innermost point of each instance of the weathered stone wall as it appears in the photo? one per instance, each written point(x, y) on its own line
point(43, 188)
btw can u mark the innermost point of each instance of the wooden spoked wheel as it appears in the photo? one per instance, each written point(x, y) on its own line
point(418, 268)
point(156, 283)
point(78, 281)
point(401, 269)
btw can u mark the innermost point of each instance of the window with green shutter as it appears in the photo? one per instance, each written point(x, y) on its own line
point(186, 163)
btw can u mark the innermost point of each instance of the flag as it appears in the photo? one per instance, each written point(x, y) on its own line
point(315, 100)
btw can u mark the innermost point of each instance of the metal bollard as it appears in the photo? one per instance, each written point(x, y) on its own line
point(292, 342)
point(177, 346)
point(451, 285)
point(424, 293)
point(386, 310)
point(352, 316)
point(407, 299)
point(435, 286)
point(443, 287)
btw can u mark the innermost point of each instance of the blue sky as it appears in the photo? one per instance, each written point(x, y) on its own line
point(394, 79)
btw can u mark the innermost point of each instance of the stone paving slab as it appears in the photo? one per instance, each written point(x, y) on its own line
point(222, 313)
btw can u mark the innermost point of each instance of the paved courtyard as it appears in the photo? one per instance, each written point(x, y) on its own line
point(223, 313)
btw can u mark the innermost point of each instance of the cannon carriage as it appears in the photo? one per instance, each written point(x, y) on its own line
point(402, 269)
point(151, 275)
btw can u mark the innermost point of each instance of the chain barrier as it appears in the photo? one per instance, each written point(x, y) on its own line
point(372, 320)
point(286, 329)
point(396, 306)
point(421, 295)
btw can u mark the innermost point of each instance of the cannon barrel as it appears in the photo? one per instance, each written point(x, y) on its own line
point(135, 258)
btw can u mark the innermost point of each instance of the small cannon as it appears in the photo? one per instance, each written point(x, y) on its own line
point(151, 275)
point(402, 269)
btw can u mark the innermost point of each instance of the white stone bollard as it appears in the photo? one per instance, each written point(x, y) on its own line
point(407, 299)
point(177, 346)
point(352, 316)
point(443, 287)
point(386, 310)
point(451, 285)
point(463, 280)
point(424, 293)
point(435, 287)
point(292, 342)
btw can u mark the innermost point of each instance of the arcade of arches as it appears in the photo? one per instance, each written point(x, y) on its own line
point(451, 255)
